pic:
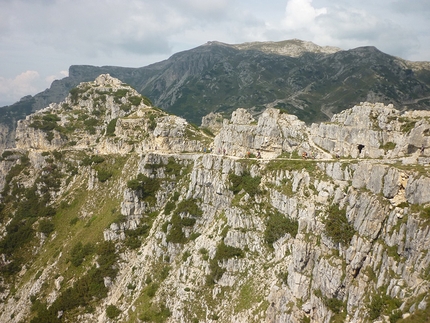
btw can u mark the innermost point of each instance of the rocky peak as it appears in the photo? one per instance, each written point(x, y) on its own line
point(107, 116)
point(292, 47)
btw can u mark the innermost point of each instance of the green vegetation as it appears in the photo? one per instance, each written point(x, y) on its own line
point(30, 207)
point(223, 252)
point(134, 238)
point(119, 94)
point(135, 100)
point(184, 216)
point(94, 159)
point(147, 187)
point(155, 314)
point(79, 252)
point(246, 182)
point(110, 129)
point(423, 211)
point(84, 291)
point(76, 92)
point(407, 125)
point(189, 206)
point(46, 227)
point(337, 227)
point(419, 316)
point(384, 304)
point(388, 146)
point(112, 311)
point(299, 164)
point(335, 305)
point(147, 101)
point(103, 175)
point(277, 226)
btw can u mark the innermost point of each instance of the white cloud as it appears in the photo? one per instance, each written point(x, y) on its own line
point(51, 78)
point(19, 86)
point(51, 35)
point(301, 14)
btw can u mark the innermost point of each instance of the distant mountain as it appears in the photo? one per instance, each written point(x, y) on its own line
point(307, 80)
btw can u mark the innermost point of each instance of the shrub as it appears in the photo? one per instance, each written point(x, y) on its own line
point(223, 252)
point(189, 206)
point(170, 206)
point(95, 159)
point(277, 226)
point(156, 315)
point(79, 252)
point(147, 101)
point(135, 100)
point(172, 167)
point(246, 182)
point(337, 226)
point(147, 186)
point(110, 129)
point(46, 227)
point(103, 175)
point(152, 289)
point(119, 94)
point(388, 146)
point(112, 311)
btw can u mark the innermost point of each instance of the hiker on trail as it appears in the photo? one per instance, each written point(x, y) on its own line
point(304, 155)
point(258, 154)
point(248, 154)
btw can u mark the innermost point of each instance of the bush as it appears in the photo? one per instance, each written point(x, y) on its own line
point(112, 311)
point(155, 315)
point(147, 186)
point(79, 252)
point(103, 175)
point(46, 227)
point(337, 226)
point(135, 100)
point(189, 206)
point(110, 129)
point(152, 289)
point(95, 159)
point(246, 182)
point(277, 226)
point(223, 252)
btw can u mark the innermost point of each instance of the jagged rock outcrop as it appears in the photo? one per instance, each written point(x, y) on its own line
point(93, 116)
point(123, 215)
point(373, 130)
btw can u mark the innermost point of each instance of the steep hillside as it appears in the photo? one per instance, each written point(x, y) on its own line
point(302, 78)
point(114, 211)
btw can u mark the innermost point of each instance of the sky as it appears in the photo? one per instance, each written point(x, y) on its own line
point(40, 39)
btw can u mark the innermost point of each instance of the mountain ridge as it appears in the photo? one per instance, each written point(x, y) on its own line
point(221, 78)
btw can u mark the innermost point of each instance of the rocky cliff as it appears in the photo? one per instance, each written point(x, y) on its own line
point(114, 211)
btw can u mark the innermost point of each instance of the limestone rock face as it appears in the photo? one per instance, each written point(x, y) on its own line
point(379, 130)
point(209, 235)
point(213, 121)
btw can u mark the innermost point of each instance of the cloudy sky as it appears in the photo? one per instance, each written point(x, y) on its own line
point(40, 39)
